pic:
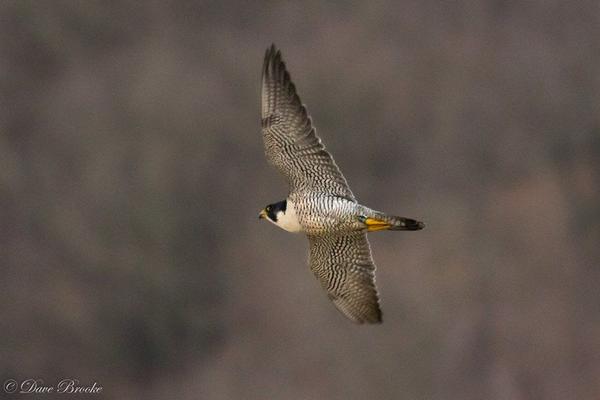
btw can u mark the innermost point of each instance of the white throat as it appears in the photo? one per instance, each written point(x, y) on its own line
point(288, 220)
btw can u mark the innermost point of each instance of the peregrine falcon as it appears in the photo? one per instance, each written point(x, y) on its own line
point(320, 202)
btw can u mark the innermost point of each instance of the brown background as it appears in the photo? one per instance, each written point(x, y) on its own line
point(132, 172)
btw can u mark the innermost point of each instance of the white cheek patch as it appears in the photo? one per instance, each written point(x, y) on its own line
point(289, 220)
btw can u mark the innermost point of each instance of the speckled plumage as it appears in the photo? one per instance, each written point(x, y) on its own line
point(325, 207)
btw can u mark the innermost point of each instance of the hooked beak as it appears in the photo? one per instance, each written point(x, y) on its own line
point(262, 214)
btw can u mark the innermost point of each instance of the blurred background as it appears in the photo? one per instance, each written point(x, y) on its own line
point(132, 173)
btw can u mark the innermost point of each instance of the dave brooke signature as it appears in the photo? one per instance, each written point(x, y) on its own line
point(64, 386)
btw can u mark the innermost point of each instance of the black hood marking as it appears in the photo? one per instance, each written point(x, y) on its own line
point(273, 209)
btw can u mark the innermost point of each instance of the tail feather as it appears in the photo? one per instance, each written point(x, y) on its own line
point(382, 222)
point(405, 224)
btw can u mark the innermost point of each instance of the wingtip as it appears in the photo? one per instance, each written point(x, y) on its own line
point(271, 52)
point(272, 58)
point(376, 320)
point(274, 66)
point(379, 318)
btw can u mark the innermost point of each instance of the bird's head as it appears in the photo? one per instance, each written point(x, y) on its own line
point(273, 212)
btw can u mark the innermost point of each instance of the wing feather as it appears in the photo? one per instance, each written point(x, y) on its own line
point(291, 142)
point(345, 268)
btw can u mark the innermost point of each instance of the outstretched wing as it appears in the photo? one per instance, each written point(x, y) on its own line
point(344, 266)
point(291, 143)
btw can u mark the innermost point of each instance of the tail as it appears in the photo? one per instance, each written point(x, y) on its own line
point(383, 222)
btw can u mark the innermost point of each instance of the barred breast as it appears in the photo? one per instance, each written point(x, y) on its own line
point(320, 214)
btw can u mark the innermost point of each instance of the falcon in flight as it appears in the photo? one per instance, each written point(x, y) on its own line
point(319, 202)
